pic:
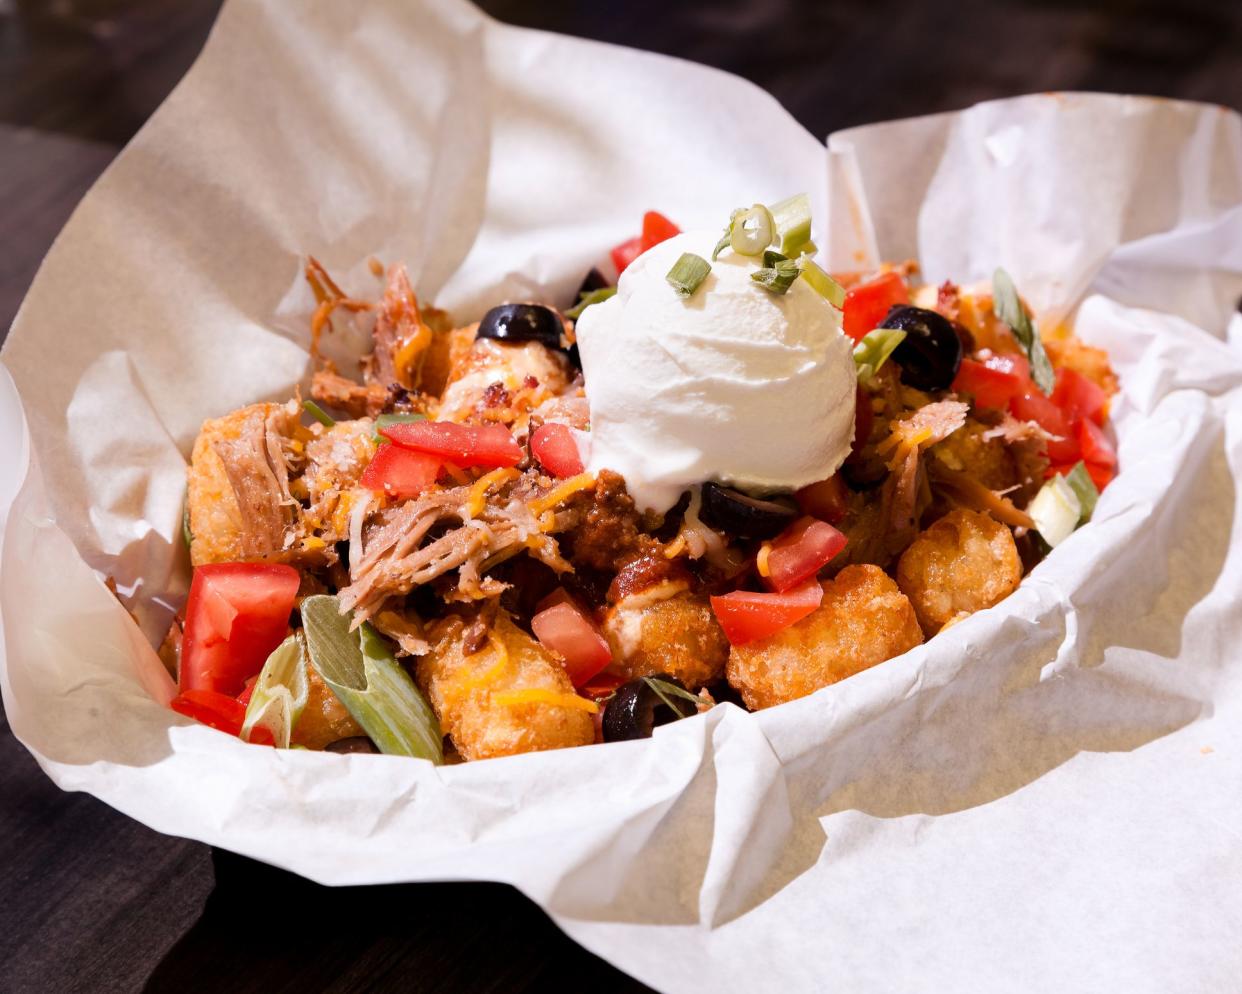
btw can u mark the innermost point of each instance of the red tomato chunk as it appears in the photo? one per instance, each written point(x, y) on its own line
point(553, 445)
point(399, 472)
point(564, 628)
point(867, 304)
point(218, 711)
point(747, 617)
point(236, 614)
point(467, 446)
point(801, 551)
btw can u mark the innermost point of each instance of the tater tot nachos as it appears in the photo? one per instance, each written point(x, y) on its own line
point(726, 476)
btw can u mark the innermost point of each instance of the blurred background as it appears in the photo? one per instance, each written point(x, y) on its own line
point(91, 901)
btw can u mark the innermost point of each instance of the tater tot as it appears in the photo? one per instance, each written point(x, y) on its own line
point(863, 620)
point(667, 629)
point(234, 499)
point(325, 719)
point(964, 562)
point(511, 696)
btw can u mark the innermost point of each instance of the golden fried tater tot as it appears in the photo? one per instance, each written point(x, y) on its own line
point(863, 620)
point(964, 562)
point(325, 719)
point(511, 696)
point(667, 629)
point(237, 486)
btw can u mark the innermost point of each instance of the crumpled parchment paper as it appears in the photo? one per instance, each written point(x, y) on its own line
point(1048, 796)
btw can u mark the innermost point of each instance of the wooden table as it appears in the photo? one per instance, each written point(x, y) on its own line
point(92, 901)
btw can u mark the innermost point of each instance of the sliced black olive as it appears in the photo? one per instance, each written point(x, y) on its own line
point(517, 323)
point(931, 352)
point(356, 743)
point(636, 709)
point(594, 280)
point(733, 512)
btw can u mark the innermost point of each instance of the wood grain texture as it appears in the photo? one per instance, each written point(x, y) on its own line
point(94, 902)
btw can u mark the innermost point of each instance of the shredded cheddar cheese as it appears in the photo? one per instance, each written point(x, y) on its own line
point(561, 493)
point(537, 695)
point(761, 560)
point(478, 493)
point(313, 543)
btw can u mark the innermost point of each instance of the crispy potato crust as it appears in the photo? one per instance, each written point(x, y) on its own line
point(863, 620)
point(961, 564)
point(462, 687)
point(325, 719)
point(663, 630)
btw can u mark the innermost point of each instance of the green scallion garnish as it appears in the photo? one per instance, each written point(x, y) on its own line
point(280, 693)
point(822, 283)
point(589, 297)
point(666, 691)
point(185, 521)
point(727, 237)
point(792, 218)
point(384, 420)
point(688, 273)
point(318, 413)
point(752, 231)
point(360, 670)
point(873, 351)
point(1056, 511)
point(1085, 490)
point(1010, 309)
point(778, 273)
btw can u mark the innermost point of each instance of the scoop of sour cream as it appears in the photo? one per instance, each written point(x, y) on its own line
point(733, 384)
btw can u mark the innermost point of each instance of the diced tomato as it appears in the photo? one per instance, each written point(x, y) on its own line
point(864, 416)
point(827, 500)
point(1095, 445)
point(1079, 397)
point(993, 379)
point(746, 616)
point(627, 252)
point(1101, 476)
point(601, 685)
point(1034, 406)
point(467, 446)
point(657, 228)
point(565, 628)
point(247, 692)
point(801, 551)
point(236, 614)
point(219, 711)
point(867, 304)
point(553, 445)
point(399, 472)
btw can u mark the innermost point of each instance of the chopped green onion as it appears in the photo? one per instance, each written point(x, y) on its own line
point(1010, 309)
point(778, 273)
point(688, 273)
point(666, 690)
point(589, 297)
point(822, 283)
point(727, 237)
point(360, 669)
point(384, 420)
point(873, 351)
point(1084, 489)
point(185, 521)
point(1055, 510)
point(752, 231)
point(792, 217)
point(280, 692)
point(810, 248)
point(318, 413)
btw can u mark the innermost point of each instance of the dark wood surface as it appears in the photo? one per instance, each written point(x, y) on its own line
point(91, 901)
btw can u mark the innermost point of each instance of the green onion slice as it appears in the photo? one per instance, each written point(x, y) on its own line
point(752, 231)
point(822, 283)
point(792, 217)
point(384, 420)
point(1010, 309)
point(666, 691)
point(873, 351)
point(778, 273)
point(1084, 488)
point(186, 534)
point(589, 297)
point(318, 413)
point(360, 669)
point(688, 273)
point(727, 237)
point(280, 692)
point(1055, 510)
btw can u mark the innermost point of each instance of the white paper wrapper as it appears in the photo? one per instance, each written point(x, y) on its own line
point(1045, 797)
